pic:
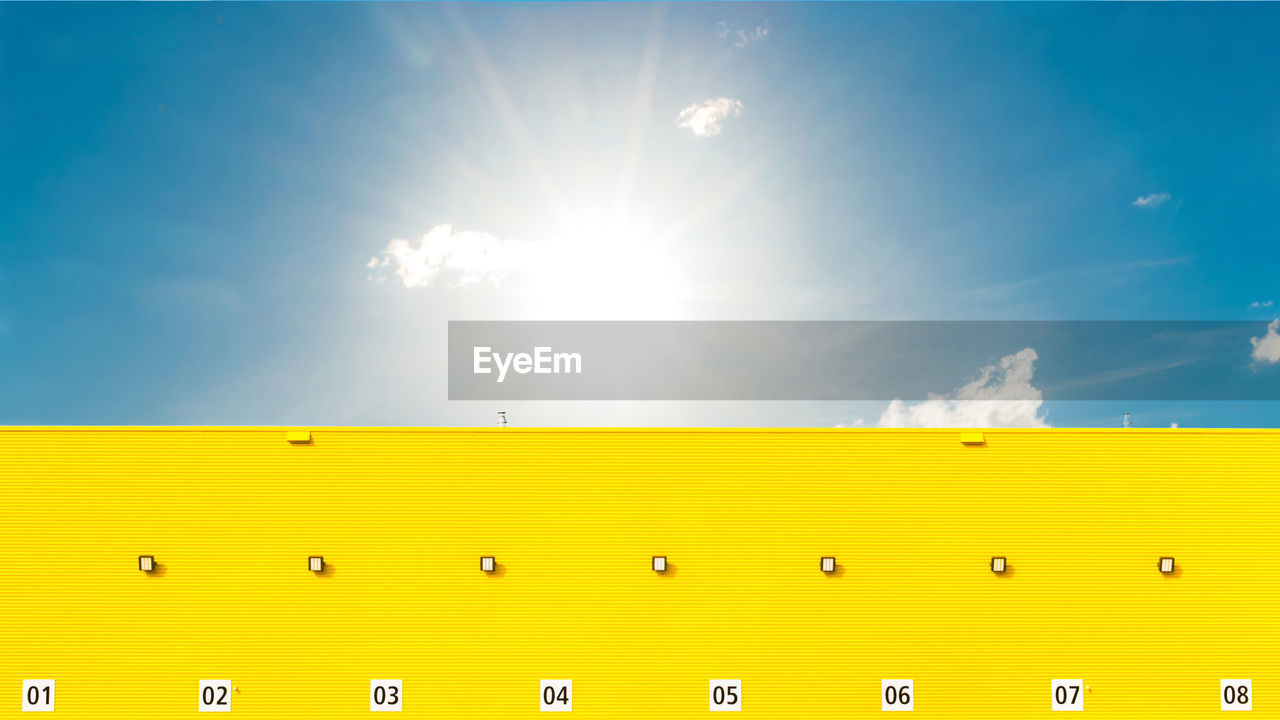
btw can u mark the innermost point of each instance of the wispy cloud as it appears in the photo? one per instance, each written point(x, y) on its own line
point(409, 37)
point(706, 118)
point(1118, 268)
point(1113, 376)
point(1266, 349)
point(1000, 396)
point(1151, 200)
point(1260, 304)
point(742, 37)
point(455, 259)
point(193, 294)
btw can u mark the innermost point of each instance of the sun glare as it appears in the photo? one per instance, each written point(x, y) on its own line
point(607, 264)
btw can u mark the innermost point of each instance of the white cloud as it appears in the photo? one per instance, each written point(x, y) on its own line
point(1266, 349)
point(740, 37)
point(1260, 304)
point(1151, 200)
point(705, 118)
point(456, 259)
point(1001, 396)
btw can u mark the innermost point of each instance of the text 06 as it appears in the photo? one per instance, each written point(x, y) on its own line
point(897, 695)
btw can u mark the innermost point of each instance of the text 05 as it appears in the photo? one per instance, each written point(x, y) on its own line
point(726, 695)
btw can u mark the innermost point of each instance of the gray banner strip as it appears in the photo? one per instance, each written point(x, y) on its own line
point(862, 360)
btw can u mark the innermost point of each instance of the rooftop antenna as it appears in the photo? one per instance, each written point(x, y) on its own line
point(1128, 420)
point(502, 418)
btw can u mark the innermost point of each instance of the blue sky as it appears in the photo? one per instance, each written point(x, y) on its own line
point(191, 195)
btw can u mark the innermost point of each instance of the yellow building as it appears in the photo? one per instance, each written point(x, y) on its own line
point(573, 519)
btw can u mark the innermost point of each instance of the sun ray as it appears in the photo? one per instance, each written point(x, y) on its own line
point(517, 131)
point(641, 109)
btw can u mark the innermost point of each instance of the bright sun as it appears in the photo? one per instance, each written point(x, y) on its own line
point(608, 266)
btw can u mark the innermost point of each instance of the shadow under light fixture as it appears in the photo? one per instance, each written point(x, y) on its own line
point(488, 564)
point(827, 565)
point(1166, 565)
point(147, 563)
point(315, 564)
point(659, 563)
point(999, 565)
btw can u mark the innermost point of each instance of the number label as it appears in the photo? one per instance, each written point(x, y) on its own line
point(37, 695)
point(897, 695)
point(1068, 694)
point(1236, 694)
point(556, 696)
point(726, 695)
point(215, 696)
point(386, 695)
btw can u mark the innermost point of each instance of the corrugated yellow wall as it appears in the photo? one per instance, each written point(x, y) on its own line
point(402, 516)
